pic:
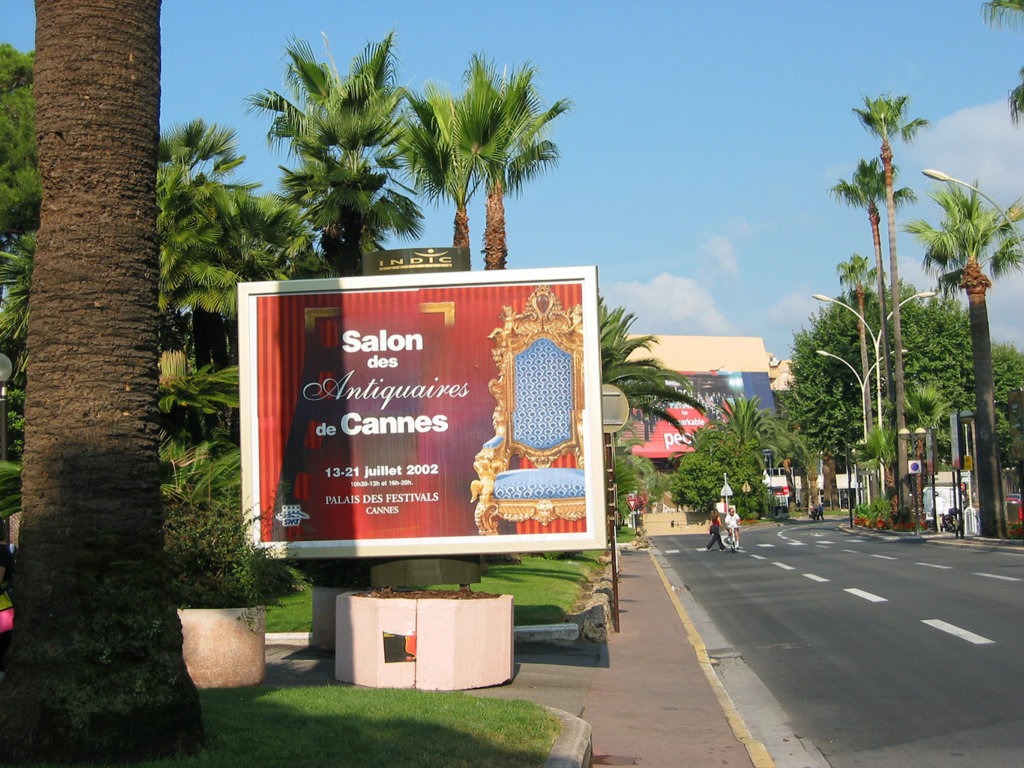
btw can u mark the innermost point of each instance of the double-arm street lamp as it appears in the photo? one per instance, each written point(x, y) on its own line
point(864, 381)
point(876, 340)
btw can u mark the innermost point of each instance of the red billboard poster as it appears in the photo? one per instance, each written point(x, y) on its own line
point(423, 415)
point(659, 440)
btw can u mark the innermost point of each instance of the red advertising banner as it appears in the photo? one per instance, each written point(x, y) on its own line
point(659, 440)
point(446, 414)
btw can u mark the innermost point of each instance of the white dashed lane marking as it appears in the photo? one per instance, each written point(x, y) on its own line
point(866, 595)
point(956, 631)
point(997, 576)
point(814, 577)
point(783, 566)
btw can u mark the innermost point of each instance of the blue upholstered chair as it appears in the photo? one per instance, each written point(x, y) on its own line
point(539, 406)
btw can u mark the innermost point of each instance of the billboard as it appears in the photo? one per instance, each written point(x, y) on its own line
point(428, 414)
point(658, 440)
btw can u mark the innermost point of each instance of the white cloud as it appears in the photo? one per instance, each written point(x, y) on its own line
point(977, 144)
point(1004, 310)
point(669, 304)
point(792, 310)
point(720, 256)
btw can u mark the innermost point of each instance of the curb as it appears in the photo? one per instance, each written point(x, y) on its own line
point(756, 751)
point(573, 748)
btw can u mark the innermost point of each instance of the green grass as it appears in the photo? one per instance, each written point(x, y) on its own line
point(544, 590)
point(292, 613)
point(338, 727)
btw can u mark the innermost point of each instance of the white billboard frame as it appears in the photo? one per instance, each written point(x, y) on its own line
point(594, 535)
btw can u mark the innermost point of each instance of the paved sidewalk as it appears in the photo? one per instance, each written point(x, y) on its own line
point(649, 694)
point(658, 701)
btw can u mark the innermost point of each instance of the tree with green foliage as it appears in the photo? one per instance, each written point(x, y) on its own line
point(971, 238)
point(445, 144)
point(215, 233)
point(1008, 372)
point(516, 126)
point(97, 673)
point(877, 453)
point(744, 418)
point(16, 284)
point(344, 133)
point(719, 455)
point(21, 187)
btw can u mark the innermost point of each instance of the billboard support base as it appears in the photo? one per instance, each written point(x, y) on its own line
point(426, 571)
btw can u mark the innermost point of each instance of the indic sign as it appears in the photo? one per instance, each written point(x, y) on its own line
point(416, 260)
point(366, 401)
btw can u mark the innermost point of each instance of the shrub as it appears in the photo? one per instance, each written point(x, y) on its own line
point(213, 562)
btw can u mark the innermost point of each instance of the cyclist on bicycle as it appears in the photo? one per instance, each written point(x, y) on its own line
point(732, 522)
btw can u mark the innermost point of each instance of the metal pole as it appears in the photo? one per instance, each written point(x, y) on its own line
point(609, 458)
point(3, 421)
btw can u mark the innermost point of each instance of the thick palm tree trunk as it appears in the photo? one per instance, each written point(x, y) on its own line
point(986, 465)
point(883, 313)
point(903, 479)
point(460, 238)
point(495, 247)
point(95, 670)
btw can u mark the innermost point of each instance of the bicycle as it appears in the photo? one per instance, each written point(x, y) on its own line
point(729, 539)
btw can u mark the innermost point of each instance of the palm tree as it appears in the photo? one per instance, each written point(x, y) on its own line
point(446, 143)
point(926, 409)
point(100, 675)
point(517, 138)
point(866, 189)
point(970, 239)
point(876, 453)
point(748, 421)
point(854, 273)
point(885, 117)
point(344, 132)
point(1009, 13)
point(650, 388)
point(15, 284)
point(215, 233)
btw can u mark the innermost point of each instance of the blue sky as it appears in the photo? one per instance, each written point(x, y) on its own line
point(696, 162)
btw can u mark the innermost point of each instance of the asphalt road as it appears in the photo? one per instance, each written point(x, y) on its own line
point(880, 652)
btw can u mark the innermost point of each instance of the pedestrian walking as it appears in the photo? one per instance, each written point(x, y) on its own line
point(716, 532)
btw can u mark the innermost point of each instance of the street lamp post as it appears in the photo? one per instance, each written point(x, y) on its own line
point(863, 382)
point(876, 340)
point(866, 419)
point(990, 489)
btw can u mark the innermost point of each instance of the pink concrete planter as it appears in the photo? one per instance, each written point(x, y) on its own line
point(433, 644)
point(324, 622)
point(224, 647)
